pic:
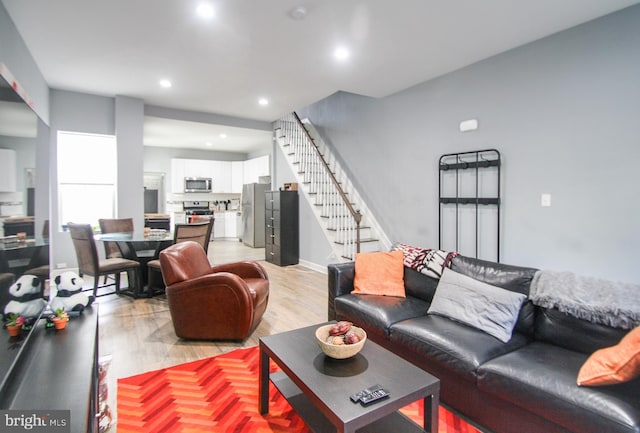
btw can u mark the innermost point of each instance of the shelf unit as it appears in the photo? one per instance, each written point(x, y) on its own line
point(468, 182)
point(282, 236)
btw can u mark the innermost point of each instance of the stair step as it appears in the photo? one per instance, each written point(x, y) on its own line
point(323, 183)
point(353, 228)
point(362, 241)
point(332, 204)
point(310, 159)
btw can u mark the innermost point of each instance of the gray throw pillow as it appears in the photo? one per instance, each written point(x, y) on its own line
point(485, 307)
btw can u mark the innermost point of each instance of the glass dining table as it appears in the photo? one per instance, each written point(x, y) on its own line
point(139, 246)
point(17, 255)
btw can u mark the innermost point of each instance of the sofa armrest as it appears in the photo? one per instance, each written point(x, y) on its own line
point(341, 277)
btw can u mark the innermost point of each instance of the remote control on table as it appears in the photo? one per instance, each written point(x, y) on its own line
point(374, 396)
point(358, 396)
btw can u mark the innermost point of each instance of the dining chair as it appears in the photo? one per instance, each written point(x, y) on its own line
point(6, 280)
point(114, 225)
point(90, 264)
point(196, 232)
point(39, 261)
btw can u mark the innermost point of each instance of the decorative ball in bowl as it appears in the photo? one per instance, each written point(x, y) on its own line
point(341, 340)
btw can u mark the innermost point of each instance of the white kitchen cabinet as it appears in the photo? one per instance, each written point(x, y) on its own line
point(221, 175)
point(219, 225)
point(230, 228)
point(198, 168)
point(8, 170)
point(177, 175)
point(256, 167)
point(219, 171)
point(237, 179)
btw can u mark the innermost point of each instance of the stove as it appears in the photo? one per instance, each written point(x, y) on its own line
point(195, 208)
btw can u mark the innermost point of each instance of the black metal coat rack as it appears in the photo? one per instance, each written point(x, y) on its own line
point(467, 181)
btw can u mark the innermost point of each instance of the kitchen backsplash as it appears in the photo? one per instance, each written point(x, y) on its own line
point(12, 204)
point(218, 202)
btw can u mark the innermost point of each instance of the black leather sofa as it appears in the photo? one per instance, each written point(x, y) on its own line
point(525, 385)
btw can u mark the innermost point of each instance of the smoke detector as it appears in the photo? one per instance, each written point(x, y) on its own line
point(298, 13)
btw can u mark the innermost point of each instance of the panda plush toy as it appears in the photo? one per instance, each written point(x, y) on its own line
point(69, 294)
point(25, 297)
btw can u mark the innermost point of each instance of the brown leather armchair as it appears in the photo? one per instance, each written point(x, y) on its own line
point(222, 302)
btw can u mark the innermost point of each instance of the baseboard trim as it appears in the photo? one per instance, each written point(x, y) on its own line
point(313, 266)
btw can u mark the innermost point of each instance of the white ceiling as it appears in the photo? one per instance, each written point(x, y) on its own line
point(253, 48)
point(167, 132)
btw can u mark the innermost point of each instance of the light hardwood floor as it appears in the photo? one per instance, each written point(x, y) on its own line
point(138, 335)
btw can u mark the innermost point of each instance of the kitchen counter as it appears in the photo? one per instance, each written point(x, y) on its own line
point(157, 215)
point(19, 219)
point(157, 221)
point(15, 225)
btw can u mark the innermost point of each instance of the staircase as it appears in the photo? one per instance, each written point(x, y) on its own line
point(339, 209)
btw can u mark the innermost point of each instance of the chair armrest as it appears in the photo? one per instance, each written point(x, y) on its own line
point(341, 277)
point(202, 289)
point(222, 302)
point(246, 269)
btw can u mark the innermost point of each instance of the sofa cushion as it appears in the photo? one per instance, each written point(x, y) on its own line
point(477, 304)
point(558, 328)
point(377, 313)
point(515, 278)
point(542, 378)
point(615, 364)
point(419, 285)
point(450, 344)
point(379, 273)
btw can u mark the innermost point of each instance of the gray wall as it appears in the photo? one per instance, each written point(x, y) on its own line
point(16, 57)
point(315, 250)
point(563, 111)
point(129, 122)
point(25, 158)
point(77, 112)
point(124, 117)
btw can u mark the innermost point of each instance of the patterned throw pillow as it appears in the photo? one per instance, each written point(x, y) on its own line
point(425, 260)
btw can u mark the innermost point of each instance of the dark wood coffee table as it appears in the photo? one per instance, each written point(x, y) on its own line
point(318, 387)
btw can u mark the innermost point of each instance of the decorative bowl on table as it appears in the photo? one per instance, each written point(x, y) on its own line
point(340, 346)
point(156, 233)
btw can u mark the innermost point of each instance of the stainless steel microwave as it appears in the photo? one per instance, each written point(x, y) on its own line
point(197, 184)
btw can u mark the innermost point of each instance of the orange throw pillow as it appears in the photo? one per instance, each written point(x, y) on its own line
point(612, 365)
point(380, 273)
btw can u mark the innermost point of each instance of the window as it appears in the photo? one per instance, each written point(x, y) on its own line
point(87, 174)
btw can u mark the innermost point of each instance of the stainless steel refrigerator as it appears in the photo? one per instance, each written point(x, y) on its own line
point(253, 214)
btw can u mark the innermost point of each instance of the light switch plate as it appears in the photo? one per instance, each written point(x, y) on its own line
point(545, 200)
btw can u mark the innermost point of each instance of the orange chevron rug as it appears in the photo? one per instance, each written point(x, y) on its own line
point(220, 394)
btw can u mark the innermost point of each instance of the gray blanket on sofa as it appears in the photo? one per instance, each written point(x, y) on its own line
point(595, 299)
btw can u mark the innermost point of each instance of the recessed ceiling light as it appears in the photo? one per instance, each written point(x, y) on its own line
point(223, 135)
point(165, 83)
point(205, 10)
point(341, 53)
point(208, 143)
point(263, 101)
